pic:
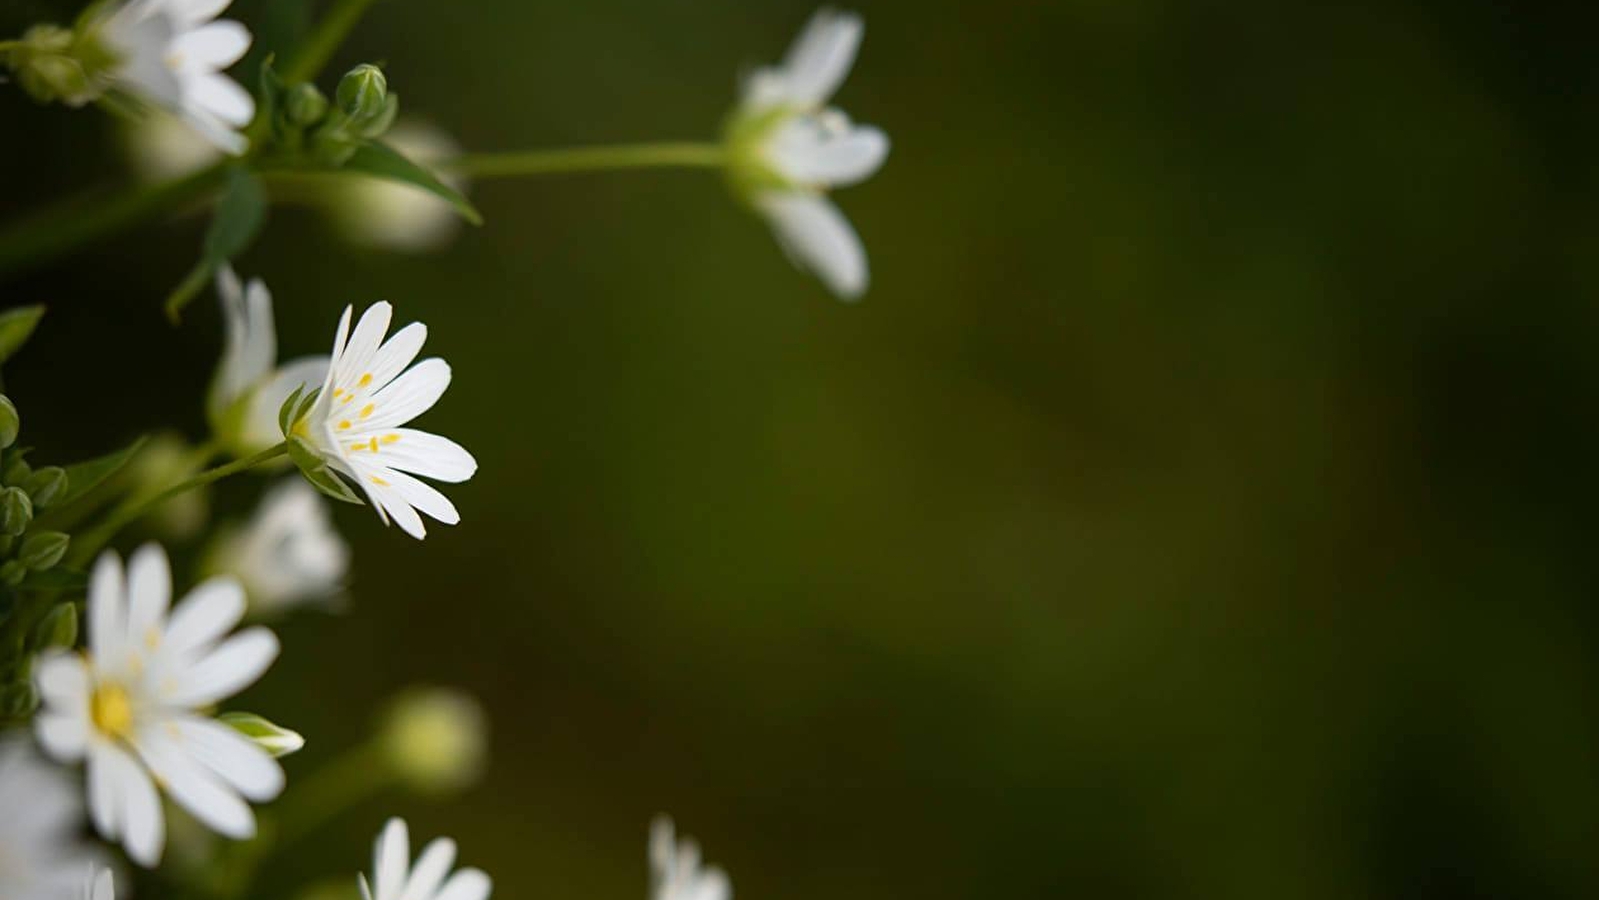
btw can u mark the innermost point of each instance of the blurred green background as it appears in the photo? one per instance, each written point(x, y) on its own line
point(1200, 503)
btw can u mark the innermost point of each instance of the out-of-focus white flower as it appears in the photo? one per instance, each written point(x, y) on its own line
point(675, 870)
point(173, 54)
point(99, 885)
point(354, 425)
point(161, 146)
point(387, 214)
point(394, 878)
point(249, 386)
point(288, 554)
point(132, 705)
point(41, 812)
point(790, 148)
point(436, 739)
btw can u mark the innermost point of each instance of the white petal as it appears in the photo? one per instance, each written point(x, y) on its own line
point(398, 510)
point(215, 46)
point(467, 884)
point(63, 736)
point(807, 153)
point(102, 889)
point(144, 826)
point(356, 360)
point(410, 395)
point(193, 787)
point(260, 429)
point(430, 869)
point(424, 497)
point(149, 594)
point(220, 133)
point(821, 57)
point(104, 800)
point(64, 682)
point(222, 97)
point(396, 353)
point(232, 757)
point(226, 670)
point(428, 455)
point(818, 238)
point(390, 858)
point(205, 615)
point(194, 12)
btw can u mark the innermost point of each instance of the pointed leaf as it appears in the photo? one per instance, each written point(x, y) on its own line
point(382, 161)
point(86, 476)
point(16, 326)
point(239, 213)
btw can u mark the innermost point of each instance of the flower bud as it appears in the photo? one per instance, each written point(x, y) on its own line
point(58, 629)
point(45, 485)
point(274, 739)
point(16, 470)
point(380, 123)
point(436, 739)
point(304, 105)
point(10, 422)
point(12, 572)
point(43, 550)
point(361, 93)
point(16, 511)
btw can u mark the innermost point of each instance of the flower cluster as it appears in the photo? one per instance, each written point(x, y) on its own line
point(131, 698)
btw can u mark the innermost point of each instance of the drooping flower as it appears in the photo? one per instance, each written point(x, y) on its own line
point(394, 878)
point(132, 705)
point(249, 386)
point(675, 870)
point(99, 885)
point(288, 554)
point(789, 148)
point(355, 423)
point(41, 857)
point(391, 215)
point(173, 54)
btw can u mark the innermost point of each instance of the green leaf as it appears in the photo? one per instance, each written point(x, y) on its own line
point(86, 476)
point(316, 471)
point(237, 220)
point(16, 326)
point(382, 161)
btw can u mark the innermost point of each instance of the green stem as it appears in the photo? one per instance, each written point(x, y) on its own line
point(324, 41)
point(85, 546)
point(60, 228)
point(669, 155)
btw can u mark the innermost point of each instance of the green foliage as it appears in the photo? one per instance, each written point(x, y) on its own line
point(16, 326)
point(86, 476)
point(240, 212)
point(58, 629)
point(10, 422)
point(382, 161)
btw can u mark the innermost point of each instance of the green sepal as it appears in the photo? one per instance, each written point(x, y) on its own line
point(316, 471)
point(16, 326)
point(58, 629)
point(379, 160)
point(273, 738)
point(239, 214)
point(43, 550)
point(46, 485)
point(86, 476)
point(16, 511)
point(10, 422)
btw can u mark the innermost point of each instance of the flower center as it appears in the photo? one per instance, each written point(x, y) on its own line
point(110, 710)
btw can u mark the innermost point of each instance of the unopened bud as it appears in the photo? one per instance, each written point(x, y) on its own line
point(16, 470)
point(305, 105)
point(436, 739)
point(362, 91)
point(10, 422)
point(58, 629)
point(45, 485)
point(16, 511)
point(12, 572)
point(43, 550)
point(380, 123)
point(274, 739)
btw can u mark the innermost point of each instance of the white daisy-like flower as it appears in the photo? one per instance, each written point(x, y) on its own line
point(390, 215)
point(132, 705)
point(173, 53)
point(41, 812)
point(394, 878)
point(249, 386)
point(355, 423)
point(675, 870)
point(790, 148)
point(288, 554)
point(99, 885)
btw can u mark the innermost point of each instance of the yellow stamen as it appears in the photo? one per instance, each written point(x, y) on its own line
point(366, 411)
point(390, 438)
point(377, 480)
point(344, 425)
point(110, 711)
point(365, 380)
point(374, 445)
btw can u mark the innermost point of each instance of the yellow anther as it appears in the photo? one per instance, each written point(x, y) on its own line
point(344, 425)
point(366, 411)
point(151, 638)
point(365, 380)
point(377, 480)
point(110, 711)
point(374, 445)
point(390, 438)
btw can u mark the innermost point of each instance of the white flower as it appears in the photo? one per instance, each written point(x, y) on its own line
point(249, 386)
point(99, 886)
point(387, 214)
point(160, 147)
point(675, 871)
point(790, 148)
point(355, 422)
point(393, 877)
point(131, 706)
point(288, 553)
point(41, 812)
point(173, 53)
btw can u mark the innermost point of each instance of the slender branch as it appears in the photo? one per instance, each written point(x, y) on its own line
point(64, 226)
point(85, 546)
point(320, 46)
point(673, 155)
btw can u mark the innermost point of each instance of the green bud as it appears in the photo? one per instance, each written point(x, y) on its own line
point(43, 550)
point(10, 422)
point(435, 739)
point(381, 122)
point(12, 572)
point(18, 700)
point(304, 105)
point(45, 484)
point(274, 739)
point(16, 470)
point(58, 629)
point(16, 510)
point(361, 93)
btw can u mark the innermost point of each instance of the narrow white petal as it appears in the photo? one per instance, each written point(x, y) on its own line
point(810, 152)
point(222, 97)
point(216, 45)
point(401, 512)
point(430, 869)
point(226, 670)
point(194, 12)
point(107, 609)
point(63, 736)
point(220, 133)
point(103, 889)
point(232, 757)
point(144, 826)
point(193, 787)
point(426, 454)
point(818, 238)
point(396, 353)
point(149, 595)
point(104, 800)
point(260, 428)
point(424, 497)
point(390, 858)
point(409, 395)
point(205, 615)
point(63, 681)
point(363, 346)
point(821, 57)
point(467, 884)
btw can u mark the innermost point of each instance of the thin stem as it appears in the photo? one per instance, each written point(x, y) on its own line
point(671, 155)
point(57, 229)
point(324, 41)
point(89, 543)
point(9, 45)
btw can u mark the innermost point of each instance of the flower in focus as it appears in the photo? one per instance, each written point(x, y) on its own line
point(249, 386)
point(789, 148)
point(173, 53)
point(436, 739)
point(675, 870)
point(160, 147)
point(393, 877)
point(131, 706)
point(287, 554)
point(41, 857)
point(98, 886)
point(354, 424)
point(392, 215)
